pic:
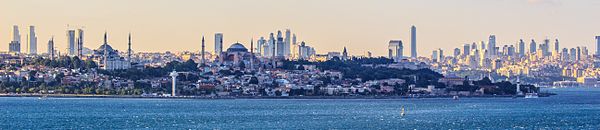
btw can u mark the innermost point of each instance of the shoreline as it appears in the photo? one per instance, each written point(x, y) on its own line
point(260, 97)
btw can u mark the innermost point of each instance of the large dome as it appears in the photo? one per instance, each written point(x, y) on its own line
point(237, 47)
point(101, 48)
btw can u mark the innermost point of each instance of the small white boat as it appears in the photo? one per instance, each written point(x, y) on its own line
point(455, 97)
point(43, 97)
point(402, 112)
point(532, 95)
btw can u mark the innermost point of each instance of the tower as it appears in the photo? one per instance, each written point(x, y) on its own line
point(71, 41)
point(80, 43)
point(598, 45)
point(492, 45)
point(218, 44)
point(129, 48)
point(413, 42)
point(532, 47)
point(518, 92)
point(521, 48)
point(287, 44)
point(252, 54)
point(345, 54)
point(280, 45)
point(202, 52)
point(51, 48)
point(105, 48)
point(15, 44)
point(294, 49)
point(32, 40)
point(556, 45)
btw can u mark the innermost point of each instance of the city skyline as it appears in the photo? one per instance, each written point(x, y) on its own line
point(360, 26)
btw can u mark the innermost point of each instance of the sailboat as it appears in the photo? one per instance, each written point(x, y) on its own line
point(402, 112)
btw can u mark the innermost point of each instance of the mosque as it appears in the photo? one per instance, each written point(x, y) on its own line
point(108, 58)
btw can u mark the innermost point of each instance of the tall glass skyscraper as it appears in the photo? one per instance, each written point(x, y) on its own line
point(287, 43)
point(71, 40)
point(413, 42)
point(598, 45)
point(521, 47)
point(32, 40)
point(492, 45)
point(532, 46)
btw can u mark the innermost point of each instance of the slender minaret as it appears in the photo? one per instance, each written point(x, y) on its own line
point(252, 54)
point(105, 46)
point(274, 52)
point(129, 48)
point(202, 52)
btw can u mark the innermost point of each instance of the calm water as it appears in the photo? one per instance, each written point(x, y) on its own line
point(571, 109)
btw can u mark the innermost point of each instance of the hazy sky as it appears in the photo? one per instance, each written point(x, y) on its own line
point(327, 25)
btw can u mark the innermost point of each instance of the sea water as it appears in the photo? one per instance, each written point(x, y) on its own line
point(572, 108)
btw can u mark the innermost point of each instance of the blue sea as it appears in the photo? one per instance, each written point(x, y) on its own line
point(572, 108)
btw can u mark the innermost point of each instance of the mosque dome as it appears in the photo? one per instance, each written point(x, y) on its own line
point(237, 47)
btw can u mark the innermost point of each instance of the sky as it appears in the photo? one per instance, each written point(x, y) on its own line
point(327, 25)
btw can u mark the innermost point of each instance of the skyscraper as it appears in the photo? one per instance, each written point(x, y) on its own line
point(456, 52)
point(268, 47)
point(556, 46)
point(395, 50)
point(434, 56)
point(218, 44)
point(15, 44)
point(16, 34)
point(492, 45)
point(32, 40)
point(483, 45)
point(598, 45)
point(413, 42)
point(294, 46)
point(441, 54)
point(545, 47)
point(287, 43)
point(260, 43)
point(466, 50)
point(71, 41)
point(521, 46)
point(51, 48)
point(532, 47)
point(280, 45)
point(79, 42)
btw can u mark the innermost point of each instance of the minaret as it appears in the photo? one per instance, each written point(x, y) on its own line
point(345, 54)
point(129, 48)
point(105, 54)
point(252, 54)
point(202, 52)
point(51, 48)
point(273, 56)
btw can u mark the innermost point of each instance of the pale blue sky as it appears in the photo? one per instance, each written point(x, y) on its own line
point(328, 25)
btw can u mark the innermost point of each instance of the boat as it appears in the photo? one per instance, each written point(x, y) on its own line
point(455, 97)
point(402, 112)
point(43, 97)
point(532, 95)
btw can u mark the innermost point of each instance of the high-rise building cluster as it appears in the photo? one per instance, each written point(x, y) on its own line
point(545, 59)
point(396, 47)
point(283, 47)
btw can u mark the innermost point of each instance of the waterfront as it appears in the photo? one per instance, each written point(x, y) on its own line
point(572, 108)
